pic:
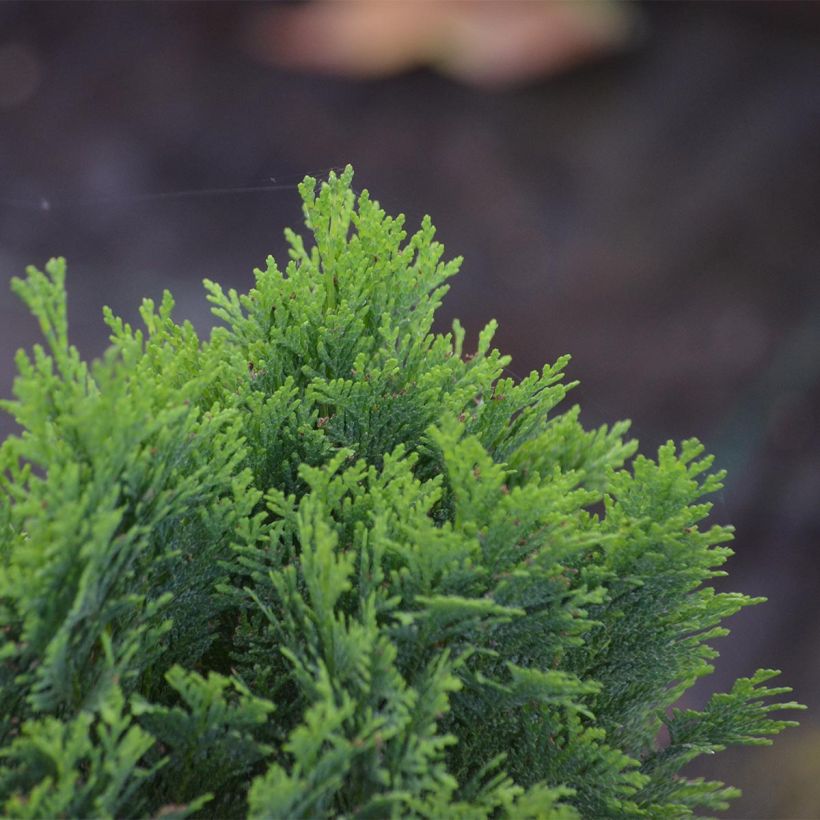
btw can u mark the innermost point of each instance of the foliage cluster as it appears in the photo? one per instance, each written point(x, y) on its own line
point(324, 563)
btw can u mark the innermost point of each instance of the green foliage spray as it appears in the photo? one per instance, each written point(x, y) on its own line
point(324, 564)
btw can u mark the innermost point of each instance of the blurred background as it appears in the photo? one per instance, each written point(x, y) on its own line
point(636, 184)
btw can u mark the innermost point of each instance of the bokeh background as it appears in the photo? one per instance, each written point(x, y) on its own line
point(635, 184)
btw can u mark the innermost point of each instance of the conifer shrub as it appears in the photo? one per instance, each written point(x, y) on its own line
point(325, 563)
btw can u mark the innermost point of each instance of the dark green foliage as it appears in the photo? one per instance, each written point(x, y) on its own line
point(326, 564)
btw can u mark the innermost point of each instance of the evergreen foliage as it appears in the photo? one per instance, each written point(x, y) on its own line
point(325, 563)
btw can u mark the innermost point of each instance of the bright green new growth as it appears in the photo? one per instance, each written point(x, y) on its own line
point(326, 564)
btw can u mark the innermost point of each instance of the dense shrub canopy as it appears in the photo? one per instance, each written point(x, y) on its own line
point(325, 563)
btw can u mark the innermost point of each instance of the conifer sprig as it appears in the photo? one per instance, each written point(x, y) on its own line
point(325, 563)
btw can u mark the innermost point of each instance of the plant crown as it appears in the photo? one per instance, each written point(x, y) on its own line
point(324, 563)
